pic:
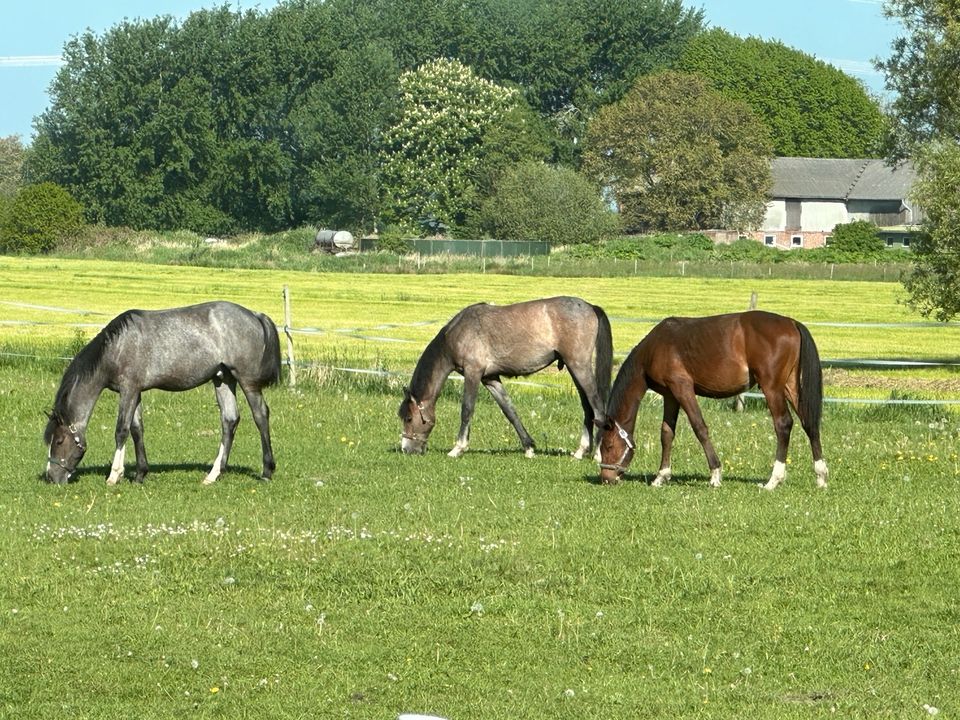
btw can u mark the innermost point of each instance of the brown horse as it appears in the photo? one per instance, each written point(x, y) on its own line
point(719, 357)
point(484, 342)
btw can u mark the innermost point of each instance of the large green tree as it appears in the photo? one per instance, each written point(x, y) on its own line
point(922, 73)
point(678, 155)
point(812, 108)
point(12, 154)
point(925, 114)
point(448, 138)
point(263, 120)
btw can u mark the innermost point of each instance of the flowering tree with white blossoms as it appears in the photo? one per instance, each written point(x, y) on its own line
point(436, 155)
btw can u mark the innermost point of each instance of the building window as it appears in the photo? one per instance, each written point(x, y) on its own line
point(797, 241)
point(828, 240)
point(906, 241)
point(889, 242)
point(769, 240)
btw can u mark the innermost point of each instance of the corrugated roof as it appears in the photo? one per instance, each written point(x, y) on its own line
point(840, 179)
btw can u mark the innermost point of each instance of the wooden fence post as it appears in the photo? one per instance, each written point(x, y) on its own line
point(287, 330)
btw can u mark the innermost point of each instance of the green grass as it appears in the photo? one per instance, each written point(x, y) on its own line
point(361, 583)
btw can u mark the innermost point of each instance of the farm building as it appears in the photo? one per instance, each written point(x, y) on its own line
point(810, 196)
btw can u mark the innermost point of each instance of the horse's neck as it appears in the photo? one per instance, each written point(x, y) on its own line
point(429, 376)
point(78, 404)
point(629, 398)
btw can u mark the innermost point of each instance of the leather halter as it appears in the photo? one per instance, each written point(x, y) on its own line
point(418, 437)
point(75, 432)
point(628, 446)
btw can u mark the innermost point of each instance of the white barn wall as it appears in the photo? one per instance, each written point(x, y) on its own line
point(822, 216)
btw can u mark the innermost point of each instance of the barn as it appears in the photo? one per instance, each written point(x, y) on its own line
point(810, 196)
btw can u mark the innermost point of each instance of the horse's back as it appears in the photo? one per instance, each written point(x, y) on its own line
point(524, 337)
point(183, 347)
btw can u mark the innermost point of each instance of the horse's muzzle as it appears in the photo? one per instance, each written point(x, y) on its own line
point(611, 474)
point(412, 446)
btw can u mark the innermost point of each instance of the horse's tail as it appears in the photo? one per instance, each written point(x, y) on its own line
point(604, 349)
point(810, 381)
point(270, 363)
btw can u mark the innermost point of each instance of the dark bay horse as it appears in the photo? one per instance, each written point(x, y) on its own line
point(485, 342)
point(175, 349)
point(719, 357)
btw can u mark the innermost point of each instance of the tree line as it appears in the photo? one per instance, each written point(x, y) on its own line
point(476, 116)
point(412, 113)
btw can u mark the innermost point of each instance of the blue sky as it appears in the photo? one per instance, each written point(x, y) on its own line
point(846, 33)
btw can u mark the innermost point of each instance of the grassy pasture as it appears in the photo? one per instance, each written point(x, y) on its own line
point(361, 583)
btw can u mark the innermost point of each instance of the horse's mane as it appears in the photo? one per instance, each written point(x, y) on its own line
point(84, 365)
point(423, 372)
point(628, 370)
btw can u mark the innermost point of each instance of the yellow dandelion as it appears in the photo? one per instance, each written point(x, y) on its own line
point(214, 690)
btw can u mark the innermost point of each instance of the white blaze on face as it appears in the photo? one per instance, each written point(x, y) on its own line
point(49, 450)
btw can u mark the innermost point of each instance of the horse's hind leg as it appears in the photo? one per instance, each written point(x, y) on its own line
point(782, 426)
point(261, 416)
point(592, 404)
point(226, 390)
point(503, 400)
point(136, 432)
point(813, 435)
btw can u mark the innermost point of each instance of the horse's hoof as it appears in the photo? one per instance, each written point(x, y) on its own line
point(529, 452)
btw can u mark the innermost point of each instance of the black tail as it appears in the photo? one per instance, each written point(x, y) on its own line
point(270, 364)
point(810, 385)
point(604, 349)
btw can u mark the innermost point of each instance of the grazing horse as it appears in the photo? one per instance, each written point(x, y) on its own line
point(484, 342)
point(719, 357)
point(176, 349)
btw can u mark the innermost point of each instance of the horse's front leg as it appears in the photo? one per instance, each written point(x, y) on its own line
point(668, 430)
point(688, 401)
point(503, 400)
point(128, 408)
point(136, 432)
point(226, 391)
point(471, 383)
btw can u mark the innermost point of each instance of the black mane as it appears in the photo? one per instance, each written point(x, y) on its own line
point(84, 365)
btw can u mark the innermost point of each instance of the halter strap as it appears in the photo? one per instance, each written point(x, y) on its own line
point(59, 462)
point(417, 437)
point(628, 446)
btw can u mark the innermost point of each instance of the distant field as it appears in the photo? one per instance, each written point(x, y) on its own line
point(384, 321)
point(361, 583)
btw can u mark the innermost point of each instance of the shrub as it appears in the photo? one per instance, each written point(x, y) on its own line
point(535, 201)
point(746, 250)
point(38, 218)
point(859, 237)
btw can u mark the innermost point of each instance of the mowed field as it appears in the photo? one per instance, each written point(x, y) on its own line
point(361, 583)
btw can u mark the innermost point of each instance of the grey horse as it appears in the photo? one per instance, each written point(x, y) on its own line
point(485, 342)
point(175, 349)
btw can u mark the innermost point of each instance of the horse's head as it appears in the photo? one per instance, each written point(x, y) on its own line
point(616, 451)
point(66, 445)
point(418, 420)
